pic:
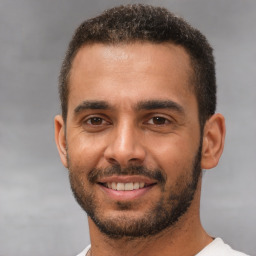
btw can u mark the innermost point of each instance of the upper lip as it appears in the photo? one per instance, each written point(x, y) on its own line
point(126, 179)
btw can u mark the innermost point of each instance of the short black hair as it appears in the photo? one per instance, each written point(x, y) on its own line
point(146, 23)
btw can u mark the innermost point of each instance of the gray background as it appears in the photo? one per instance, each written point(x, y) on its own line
point(38, 215)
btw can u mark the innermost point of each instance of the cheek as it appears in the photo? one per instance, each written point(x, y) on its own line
point(85, 152)
point(175, 156)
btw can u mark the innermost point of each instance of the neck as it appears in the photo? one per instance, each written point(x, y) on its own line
point(187, 237)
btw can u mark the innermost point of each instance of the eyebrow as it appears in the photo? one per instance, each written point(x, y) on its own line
point(160, 104)
point(142, 105)
point(95, 104)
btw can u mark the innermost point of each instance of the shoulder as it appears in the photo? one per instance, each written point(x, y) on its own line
point(84, 252)
point(218, 247)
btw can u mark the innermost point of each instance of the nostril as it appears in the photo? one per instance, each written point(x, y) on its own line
point(132, 160)
point(112, 161)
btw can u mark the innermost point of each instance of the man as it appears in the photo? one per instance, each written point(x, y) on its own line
point(138, 125)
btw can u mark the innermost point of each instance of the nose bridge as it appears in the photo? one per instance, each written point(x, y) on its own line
point(125, 146)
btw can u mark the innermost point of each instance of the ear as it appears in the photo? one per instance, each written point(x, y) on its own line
point(60, 139)
point(213, 141)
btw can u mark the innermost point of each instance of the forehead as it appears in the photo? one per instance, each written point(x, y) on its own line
point(138, 70)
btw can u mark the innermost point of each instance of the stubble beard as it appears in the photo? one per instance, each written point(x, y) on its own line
point(162, 215)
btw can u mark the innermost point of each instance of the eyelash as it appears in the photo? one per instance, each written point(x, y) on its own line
point(160, 119)
point(151, 121)
point(95, 118)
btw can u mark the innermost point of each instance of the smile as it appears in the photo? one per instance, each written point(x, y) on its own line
point(125, 186)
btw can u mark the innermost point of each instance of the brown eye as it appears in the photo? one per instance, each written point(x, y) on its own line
point(158, 120)
point(95, 121)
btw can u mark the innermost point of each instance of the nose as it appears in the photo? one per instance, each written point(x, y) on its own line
point(124, 146)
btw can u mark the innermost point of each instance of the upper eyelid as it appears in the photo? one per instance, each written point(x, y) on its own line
point(146, 117)
point(162, 115)
point(167, 121)
point(88, 117)
point(99, 115)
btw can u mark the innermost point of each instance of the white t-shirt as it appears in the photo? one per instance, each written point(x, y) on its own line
point(216, 248)
point(83, 253)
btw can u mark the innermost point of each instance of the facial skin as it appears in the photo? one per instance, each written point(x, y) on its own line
point(133, 118)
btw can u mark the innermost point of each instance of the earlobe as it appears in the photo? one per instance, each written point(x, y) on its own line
point(213, 141)
point(60, 139)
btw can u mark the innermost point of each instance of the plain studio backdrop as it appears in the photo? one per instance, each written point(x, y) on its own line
point(38, 215)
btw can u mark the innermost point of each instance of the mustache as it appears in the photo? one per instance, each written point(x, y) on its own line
point(98, 173)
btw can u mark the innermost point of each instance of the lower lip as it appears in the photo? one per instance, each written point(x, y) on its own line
point(126, 195)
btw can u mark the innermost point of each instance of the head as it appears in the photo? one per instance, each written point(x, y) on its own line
point(138, 98)
point(142, 23)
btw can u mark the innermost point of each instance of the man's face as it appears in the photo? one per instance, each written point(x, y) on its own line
point(133, 136)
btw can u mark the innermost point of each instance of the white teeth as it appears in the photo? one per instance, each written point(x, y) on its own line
point(136, 185)
point(142, 184)
point(120, 186)
point(113, 186)
point(125, 186)
point(128, 186)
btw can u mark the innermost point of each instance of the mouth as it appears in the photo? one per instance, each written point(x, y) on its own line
point(119, 186)
point(123, 188)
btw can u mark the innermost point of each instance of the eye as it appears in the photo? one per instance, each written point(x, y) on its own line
point(95, 121)
point(158, 120)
